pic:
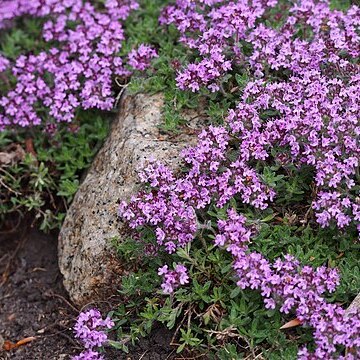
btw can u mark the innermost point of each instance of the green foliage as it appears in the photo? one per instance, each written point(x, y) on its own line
point(23, 38)
point(342, 5)
point(292, 185)
point(44, 185)
point(212, 315)
point(143, 27)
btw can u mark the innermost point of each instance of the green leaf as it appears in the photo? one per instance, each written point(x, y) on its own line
point(235, 292)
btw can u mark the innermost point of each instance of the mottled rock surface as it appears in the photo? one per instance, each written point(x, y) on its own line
point(355, 305)
point(90, 268)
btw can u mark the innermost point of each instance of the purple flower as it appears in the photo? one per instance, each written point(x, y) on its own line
point(315, 124)
point(89, 355)
point(172, 279)
point(77, 73)
point(317, 109)
point(4, 63)
point(295, 288)
point(140, 58)
point(89, 328)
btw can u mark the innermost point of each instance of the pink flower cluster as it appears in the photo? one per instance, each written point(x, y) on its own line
point(214, 28)
point(169, 199)
point(317, 125)
point(312, 36)
point(10, 9)
point(78, 71)
point(169, 203)
point(141, 57)
point(163, 207)
point(89, 355)
point(89, 328)
point(296, 288)
point(172, 279)
point(315, 97)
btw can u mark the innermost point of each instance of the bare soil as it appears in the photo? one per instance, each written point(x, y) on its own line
point(33, 303)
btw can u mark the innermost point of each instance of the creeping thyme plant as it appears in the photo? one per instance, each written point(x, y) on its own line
point(258, 230)
point(58, 64)
point(89, 328)
point(280, 173)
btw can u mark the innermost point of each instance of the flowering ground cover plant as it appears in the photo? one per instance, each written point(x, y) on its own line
point(77, 66)
point(308, 83)
point(287, 152)
point(90, 329)
point(259, 227)
point(58, 63)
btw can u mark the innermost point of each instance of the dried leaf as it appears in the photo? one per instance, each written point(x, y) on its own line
point(11, 317)
point(13, 154)
point(5, 158)
point(291, 324)
point(25, 341)
point(8, 345)
point(29, 147)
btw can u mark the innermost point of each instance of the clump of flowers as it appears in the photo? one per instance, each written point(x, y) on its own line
point(170, 203)
point(314, 100)
point(77, 70)
point(295, 288)
point(316, 125)
point(163, 207)
point(308, 34)
point(10, 9)
point(89, 355)
point(90, 330)
point(141, 57)
point(304, 74)
point(286, 282)
point(172, 279)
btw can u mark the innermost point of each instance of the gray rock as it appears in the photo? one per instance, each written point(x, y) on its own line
point(87, 261)
point(355, 305)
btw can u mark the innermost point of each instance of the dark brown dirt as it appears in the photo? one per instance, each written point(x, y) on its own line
point(32, 299)
point(33, 303)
